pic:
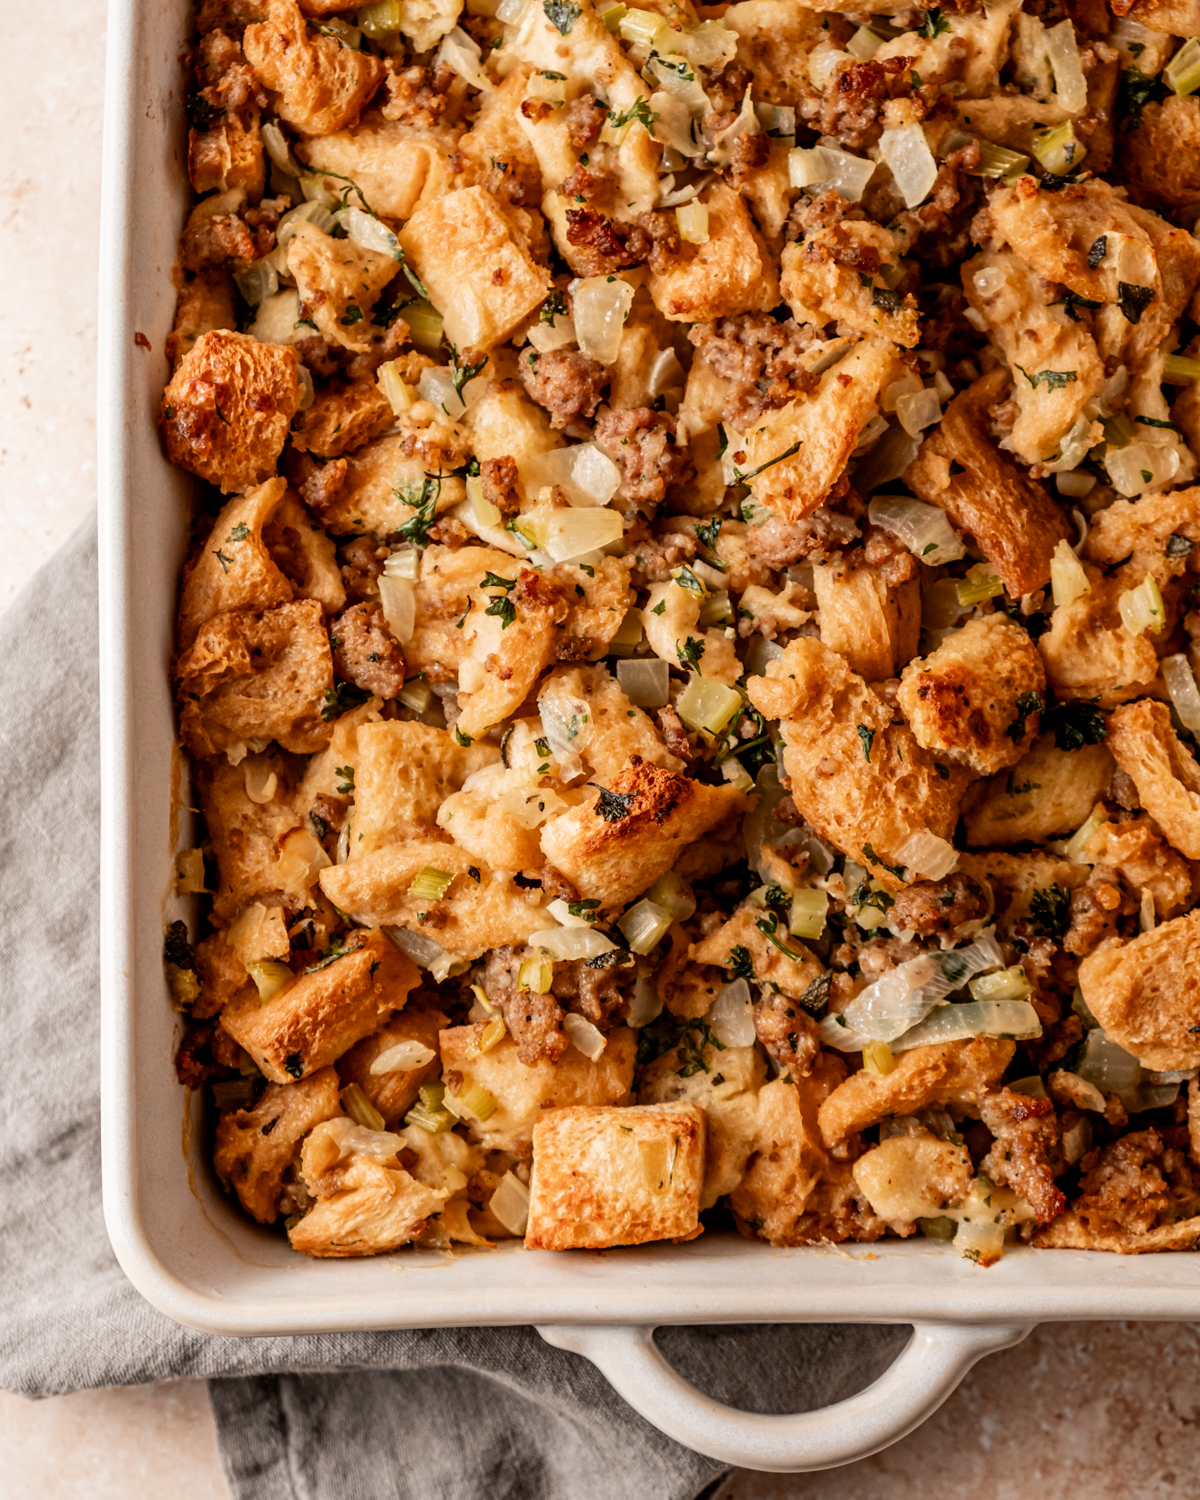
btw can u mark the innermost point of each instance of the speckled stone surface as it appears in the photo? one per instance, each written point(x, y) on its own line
point(1108, 1410)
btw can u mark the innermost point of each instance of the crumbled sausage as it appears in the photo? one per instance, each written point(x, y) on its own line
point(643, 444)
point(788, 1033)
point(1100, 909)
point(567, 383)
point(1027, 1154)
point(501, 484)
point(534, 1021)
point(584, 118)
point(930, 906)
point(761, 359)
point(365, 652)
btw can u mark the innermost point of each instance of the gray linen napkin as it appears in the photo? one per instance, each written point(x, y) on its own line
point(460, 1414)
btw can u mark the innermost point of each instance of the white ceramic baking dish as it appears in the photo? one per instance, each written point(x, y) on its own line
point(177, 1238)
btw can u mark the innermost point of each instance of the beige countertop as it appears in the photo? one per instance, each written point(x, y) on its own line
point(1110, 1410)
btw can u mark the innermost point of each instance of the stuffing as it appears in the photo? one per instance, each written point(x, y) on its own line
point(393, 1091)
point(246, 836)
point(618, 842)
point(342, 417)
point(472, 252)
point(870, 618)
point(1013, 520)
point(226, 411)
point(1047, 793)
point(363, 1204)
point(859, 778)
point(255, 1147)
point(525, 1091)
point(402, 775)
point(957, 1073)
point(1027, 1154)
point(794, 977)
point(395, 167)
point(1142, 857)
point(319, 84)
point(1163, 769)
point(976, 699)
point(481, 909)
point(602, 725)
point(1162, 156)
point(731, 272)
point(332, 1004)
point(227, 156)
point(910, 1177)
point(205, 304)
point(498, 818)
point(604, 1176)
point(1133, 539)
point(365, 652)
point(832, 277)
point(1088, 651)
point(793, 459)
point(256, 677)
point(649, 451)
point(1144, 995)
point(670, 618)
point(383, 486)
point(339, 283)
point(1031, 892)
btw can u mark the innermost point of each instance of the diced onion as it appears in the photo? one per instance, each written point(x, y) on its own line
point(646, 683)
point(569, 943)
point(392, 384)
point(887, 460)
point(399, 603)
point(822, 167)
point(647, 1003)
point(562, 914)
point(708, 45)
point(461, 53)
point(1069, 82)
point(907, 153)
point(576, 533)
point(1008, 984)
point(1015, 1019)
point(1079, 840)
point(301, 859)
point(582, 1035)
point(1185, 696)
point(732, 1016)
point(510, 1204)
point(258, 282)
point(809, 910)
point(1058, 150)
point(260, 779)
point(1114, 1071)
point(484, 512)
point(924, 529)
point(927, 856)
point(824, 61)
point(189, 873)
point(1142, 608)
point(919, 410)
point(1075, 485)
point(628, 638)
point(980, 1240)
point(594, 476)
point(692, 219)
point(708, 706)
point(1068, 581)
point(270, 975)
point(279, 151)
point(778, 120)
point(371, 233)
point(403, 1057)
point(405, 562)
point(546, 337)
point(736, 774)
point(674, 895)
point(677, 77)
point(1137, 467)
point(360, 1109)
point(307, 213)
point(601, 304)
point(511, 12)
point(536, 976)
point(1183, 71)
point(424, 951)
point(645, 925)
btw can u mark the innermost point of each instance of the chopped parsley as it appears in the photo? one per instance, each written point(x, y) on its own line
point(347, 783)
point(1133, 300)
point(639, 110)
point(934, 24)
point(176, 948)
point(769, 927)
point(463, 739)
point(1054, 380)
point(870, 855)
point(690, 652)
point(1133, 95)
point(223, 560)
point(353, 315)
point(867, 738)
point(561, 14)
point(890, 301)
point(816, 996)
point(1050, 910)
point(660, 608)
point(424, 503)
point(501, 606)
point(200, 112)
point(1071, 302)
point(239, 533)
point(553, 307)
point(1027, 703)
point(1097, 252)
point(686, 579)
point(585, 909)
point(294, 1064)
point(613, 806)
point(707, 536)
point(740, 478)
point(1076, 724)
point(460, 374)
point(739, 962)
point(337, 949)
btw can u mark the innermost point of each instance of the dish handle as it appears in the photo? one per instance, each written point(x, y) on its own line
point(934, 1361)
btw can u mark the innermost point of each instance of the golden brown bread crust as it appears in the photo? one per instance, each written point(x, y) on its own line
point(1163, 769)
point(254, 1147)
point(319, 85)
point(394, 1093)
point(1145, 996)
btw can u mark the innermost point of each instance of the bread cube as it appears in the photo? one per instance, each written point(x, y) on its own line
point(403, 774)
point(473, 256)
point(821, 283)
point(236, 567)
point(976, 699)
point(1162, 156)
point(802, 451)
point(228, 155)
point(320, 85)
point(788, 1160)
point(906, 1178)
point(339, 283)
point(732, 272)
point(343, 417)
point(1015, 521)
point(616, 844)
point(383, 481)
point(874, 624)
point(1144, 993)
point(257, 677)
point(1087, 650)
point(394, 1093)
point(366, 1202)
point(1164, 770)
point(608, 731)
point(226, 412)
point(1136, 850)
point(255, 1147)
point(604, 1176)
point(1129, 538)
point(245, 835)
point(336, 1002)
point(525, 1091)
point(1047, 793)
point(791, 975)
point(482, 908)
point(205, 303)
point(397, 167)
point(862, 781)
point(1014, 880)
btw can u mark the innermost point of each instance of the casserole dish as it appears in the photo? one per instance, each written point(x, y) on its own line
point(176, 1237)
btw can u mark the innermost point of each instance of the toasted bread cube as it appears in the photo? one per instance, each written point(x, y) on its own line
point(821, 282)
point(320, 85)
point(310, 1023)
point(604, 1176)
point(257, 677)
point(373, 493)
point(732, 272)
point(906, 1178)
point(1013, 520)
point(226, 411)
point(924, 1077)
point(254, 1147)
point(803, 450)
point(657, 814)
point(397, 167)
point(874, 624)
point(246, 835)
point(473, 255)
point(1047, 793)
point(1164, 770)
point(1144, 993)
point(1162, 156)
point(525, 1091)
point(340, 283)
point(366, 1202)
point(1129, 539)
point(223, 977)
point(394, 1093)
point(1089, 653)
point(1015, 879)
point(343, 417)
point(862, 781)
point(482, 908)
point(205, 303)
point(976, 699)
point(229, 155)
point(404, 772)
point(791, 975)
point(608, 730)
point(236, 566)
point(1136, 850)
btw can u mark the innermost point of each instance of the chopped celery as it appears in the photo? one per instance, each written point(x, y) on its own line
point(391, 383)
point(645, 925)
point(1178, 369)
point(475, 1101)
point(416, 694)
point(692, 219)
point(536, 975)
point(430, 885)
point(384, 18)
point(877, 1058)
point(708, 706)
point(1058, 150)
point(1183, 71)
point(1067, 577)
point(998, 161)
point(1008, 984)
point(360, 1109)
point(809, 910)
point(979, 584)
